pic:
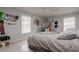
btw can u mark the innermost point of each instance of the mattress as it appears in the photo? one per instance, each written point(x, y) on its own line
point(49, 42)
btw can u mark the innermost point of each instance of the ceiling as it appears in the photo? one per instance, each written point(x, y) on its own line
point(49, 11)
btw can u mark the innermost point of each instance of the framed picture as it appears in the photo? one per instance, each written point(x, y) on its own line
point(37, 22)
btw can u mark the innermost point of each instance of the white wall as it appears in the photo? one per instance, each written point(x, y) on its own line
point(14, 31)
point(60, 21)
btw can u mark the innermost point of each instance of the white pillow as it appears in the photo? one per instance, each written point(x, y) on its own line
point(67, 35)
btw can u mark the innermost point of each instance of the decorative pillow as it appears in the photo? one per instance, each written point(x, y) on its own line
point(67, 35)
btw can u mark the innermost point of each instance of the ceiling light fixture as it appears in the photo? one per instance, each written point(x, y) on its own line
point(48, 10)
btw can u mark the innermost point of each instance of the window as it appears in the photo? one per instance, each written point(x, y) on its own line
point(69, 23)
point(26, 24)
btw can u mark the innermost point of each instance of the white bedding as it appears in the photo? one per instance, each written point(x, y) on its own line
point(50, 43)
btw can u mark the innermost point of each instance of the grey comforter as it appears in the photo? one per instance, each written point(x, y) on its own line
point(50, 43)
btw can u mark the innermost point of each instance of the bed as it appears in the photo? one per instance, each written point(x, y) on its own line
point(48, 42)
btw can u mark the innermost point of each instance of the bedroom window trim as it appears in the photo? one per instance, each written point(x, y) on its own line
point(69, 23)
point(26, 24)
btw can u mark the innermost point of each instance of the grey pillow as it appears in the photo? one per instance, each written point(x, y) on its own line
point(67, 35)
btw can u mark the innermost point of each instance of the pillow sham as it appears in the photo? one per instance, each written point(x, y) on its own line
point(67, 35)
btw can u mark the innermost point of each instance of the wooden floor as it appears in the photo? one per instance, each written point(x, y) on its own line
point(16, 46)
